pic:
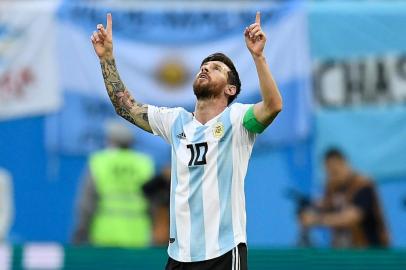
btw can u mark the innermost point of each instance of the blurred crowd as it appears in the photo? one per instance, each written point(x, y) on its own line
point(123, 202)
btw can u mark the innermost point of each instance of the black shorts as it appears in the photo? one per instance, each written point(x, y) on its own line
point(235, 259)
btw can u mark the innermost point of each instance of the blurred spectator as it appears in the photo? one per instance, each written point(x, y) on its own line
point(350, 207)
point(157, 191)
point(113, 210)
point(6, 204)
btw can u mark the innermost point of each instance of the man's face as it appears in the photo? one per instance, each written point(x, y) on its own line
point(211, 80)
point(337, 170)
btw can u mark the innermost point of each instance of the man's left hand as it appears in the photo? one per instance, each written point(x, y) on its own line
point(255, 38)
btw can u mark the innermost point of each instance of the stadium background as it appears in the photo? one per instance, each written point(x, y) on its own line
point(340, 65)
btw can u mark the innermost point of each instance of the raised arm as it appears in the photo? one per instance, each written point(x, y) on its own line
point(271, 104)
point(124, 104)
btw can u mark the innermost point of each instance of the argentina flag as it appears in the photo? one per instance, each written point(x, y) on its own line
point(25, 53)
point(159, 47)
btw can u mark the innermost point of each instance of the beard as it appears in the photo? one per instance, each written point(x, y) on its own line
point(205, 89)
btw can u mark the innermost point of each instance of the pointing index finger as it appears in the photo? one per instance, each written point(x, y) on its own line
point(109, 22)
point(258, 18)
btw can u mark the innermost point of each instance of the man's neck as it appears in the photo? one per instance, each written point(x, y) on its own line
point(207, 109)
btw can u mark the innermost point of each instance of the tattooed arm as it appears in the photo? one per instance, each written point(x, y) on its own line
point(125, 105)
point(123, 102)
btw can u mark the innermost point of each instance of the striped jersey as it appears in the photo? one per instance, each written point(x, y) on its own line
point(209, 164)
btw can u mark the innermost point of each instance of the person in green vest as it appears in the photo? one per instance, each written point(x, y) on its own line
point(112, 208)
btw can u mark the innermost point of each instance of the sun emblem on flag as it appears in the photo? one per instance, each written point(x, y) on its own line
point(218, 130)
point(172, 73)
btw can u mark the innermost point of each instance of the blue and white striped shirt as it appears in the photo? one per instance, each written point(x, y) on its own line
point(209, 164)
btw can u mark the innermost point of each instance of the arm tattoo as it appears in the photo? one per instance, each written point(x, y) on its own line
point(123, 102)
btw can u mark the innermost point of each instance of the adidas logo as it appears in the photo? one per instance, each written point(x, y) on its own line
point(181, 135)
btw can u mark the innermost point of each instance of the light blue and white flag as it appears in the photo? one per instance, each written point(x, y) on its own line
point(159, 48)
point(28, 60)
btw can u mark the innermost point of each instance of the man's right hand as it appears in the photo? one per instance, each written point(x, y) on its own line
point(102, 39)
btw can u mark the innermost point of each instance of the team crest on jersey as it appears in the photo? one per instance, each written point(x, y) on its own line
point(218, 130)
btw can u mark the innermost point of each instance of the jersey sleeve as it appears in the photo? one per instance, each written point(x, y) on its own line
point(161, 119)
point(238, 112)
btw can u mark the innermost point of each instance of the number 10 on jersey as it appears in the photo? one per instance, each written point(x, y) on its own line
point(198, 153)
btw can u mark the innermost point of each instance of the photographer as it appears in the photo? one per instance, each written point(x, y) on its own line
point(350, 207)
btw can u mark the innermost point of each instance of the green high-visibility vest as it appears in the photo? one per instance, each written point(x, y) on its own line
point(121, 218)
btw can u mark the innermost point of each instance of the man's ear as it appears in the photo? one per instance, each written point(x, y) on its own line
point(231, 90)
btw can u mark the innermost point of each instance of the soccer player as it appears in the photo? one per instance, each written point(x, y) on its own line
point(210, 151)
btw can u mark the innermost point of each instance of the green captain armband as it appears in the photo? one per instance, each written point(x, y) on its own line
point(251, 123)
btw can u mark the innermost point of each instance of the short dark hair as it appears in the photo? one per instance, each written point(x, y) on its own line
point(334, 152)
point(233, 77)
